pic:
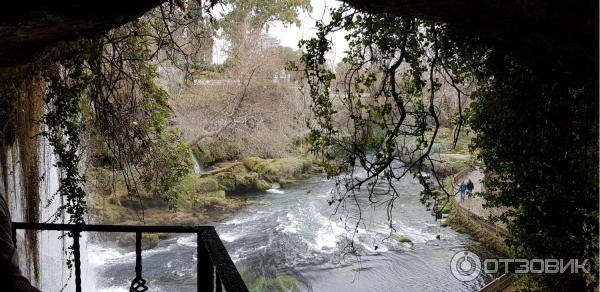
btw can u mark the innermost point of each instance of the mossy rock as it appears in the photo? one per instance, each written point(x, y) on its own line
point(163, 236)
point(192, 185)
point(465, 224)
point(278, 170)
point(294, 166)
point(265, 167)
point(262, 185)
point(241, 182)
point(218, 150)
point(401, 239)
point(147, 202)
point(235, 167)
point(253, 162)
point(149, 240)
point(100, 180)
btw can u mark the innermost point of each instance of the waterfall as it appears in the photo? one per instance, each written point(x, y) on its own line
point(197, 166)
point(52, 246)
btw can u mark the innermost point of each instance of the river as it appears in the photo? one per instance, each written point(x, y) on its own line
point(289, 239)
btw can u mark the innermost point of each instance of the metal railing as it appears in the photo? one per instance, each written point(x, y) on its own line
point(216, 271)
point(499, 284)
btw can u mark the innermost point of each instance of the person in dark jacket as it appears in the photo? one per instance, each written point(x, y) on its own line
point(469, 187)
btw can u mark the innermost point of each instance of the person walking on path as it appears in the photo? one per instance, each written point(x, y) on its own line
point(461, 189)
point(469, 187)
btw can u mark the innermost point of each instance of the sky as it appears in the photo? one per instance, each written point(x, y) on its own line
point(290, 35)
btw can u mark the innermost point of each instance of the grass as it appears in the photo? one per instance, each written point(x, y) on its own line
point(464, 224)
point(444, 203)
point(444, 142)
point(447, 159)
point(443, 206)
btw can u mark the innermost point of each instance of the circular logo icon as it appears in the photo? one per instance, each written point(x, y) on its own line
point(465, 266)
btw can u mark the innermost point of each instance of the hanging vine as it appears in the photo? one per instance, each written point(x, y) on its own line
point(68, 80)
point(106, 87)
point(385, 111)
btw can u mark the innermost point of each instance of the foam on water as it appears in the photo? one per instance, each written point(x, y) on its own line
point(113, 289)
point(288, 225)
point(99, 256)
point(123, 289)
point(230, 236)
point(416, 235)
point(327, 236)
point(237, 221)
point(275, 191)
point(188, 241)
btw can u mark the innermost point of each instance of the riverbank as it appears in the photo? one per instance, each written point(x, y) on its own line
point(447, 157)
point(206, 197)
point(453, 164)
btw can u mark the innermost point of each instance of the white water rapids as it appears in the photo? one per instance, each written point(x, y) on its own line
point(287, 240)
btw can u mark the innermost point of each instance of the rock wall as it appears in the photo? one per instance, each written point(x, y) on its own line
point(537, 31)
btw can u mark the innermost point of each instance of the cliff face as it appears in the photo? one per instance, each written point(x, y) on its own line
point(538, 31)
point(536, 28)
point(28, 27)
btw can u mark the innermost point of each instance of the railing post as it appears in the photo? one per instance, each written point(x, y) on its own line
point(228, 275)
point(77, 261)
point(205, 271)
point(138, 284)
point(138, 254)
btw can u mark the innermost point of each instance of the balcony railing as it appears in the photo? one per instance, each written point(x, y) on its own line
point(216, 271)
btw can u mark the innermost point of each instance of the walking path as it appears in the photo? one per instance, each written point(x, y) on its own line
point(474, 204)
